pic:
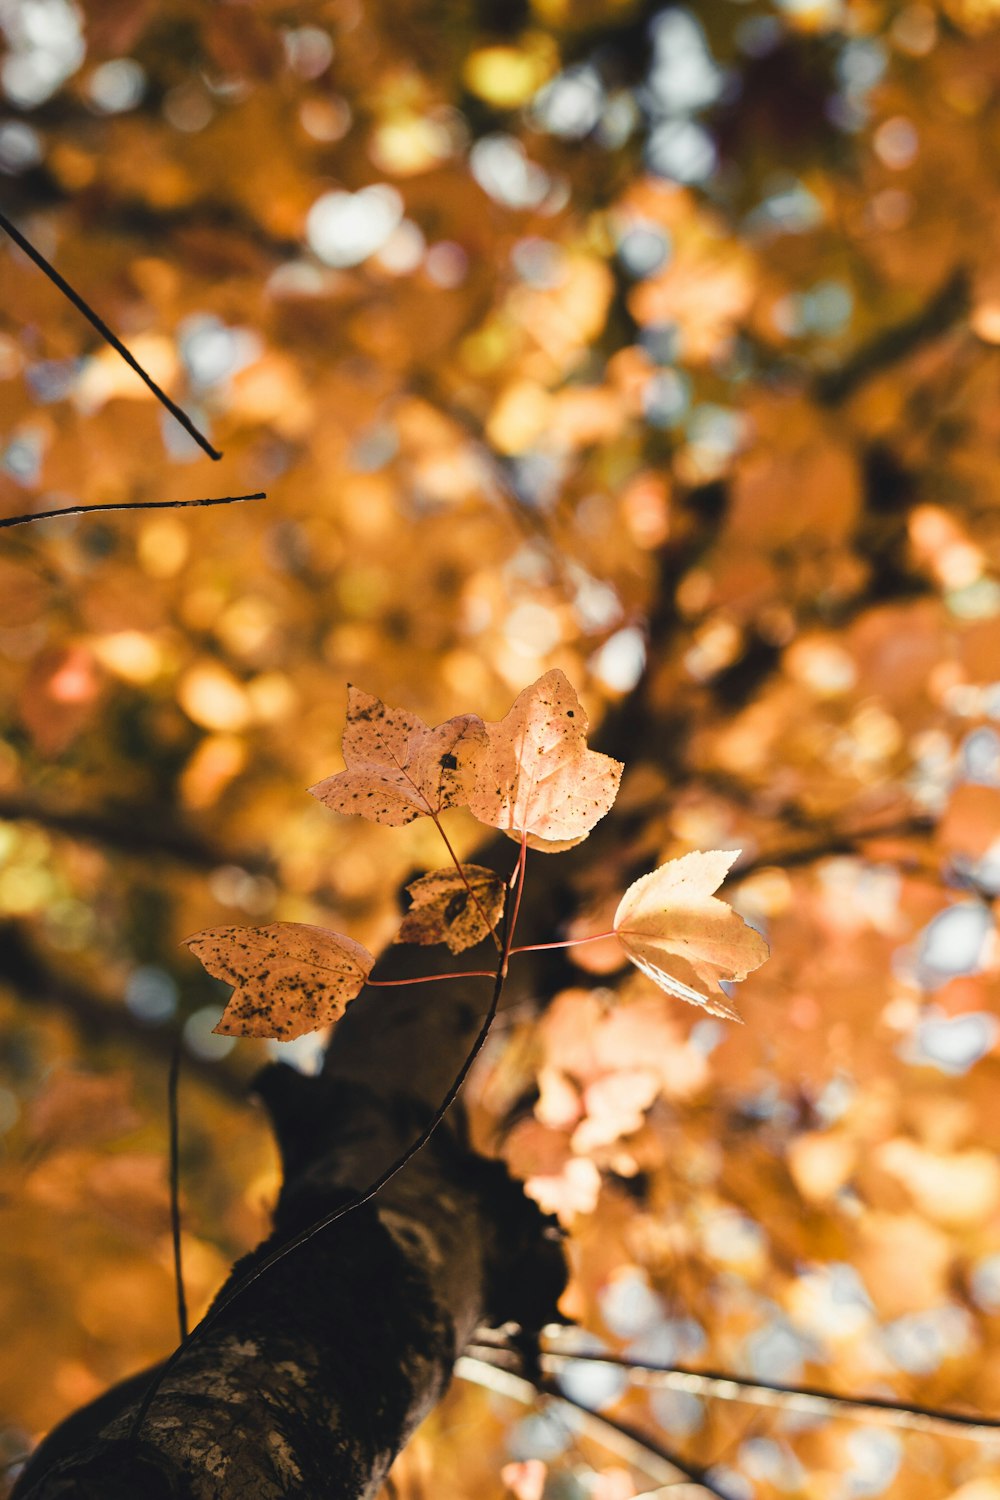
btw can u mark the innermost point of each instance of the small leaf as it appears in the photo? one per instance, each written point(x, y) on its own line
point(671, 914)
point(288, 978)
point(536, 775)
point(399, 769)
point(443, 911)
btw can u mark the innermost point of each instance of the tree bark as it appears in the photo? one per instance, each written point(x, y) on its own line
point(311, 1381)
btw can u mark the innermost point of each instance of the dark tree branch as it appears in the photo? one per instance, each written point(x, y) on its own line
point(111, 338)
point(945, 311)
point(87, 510)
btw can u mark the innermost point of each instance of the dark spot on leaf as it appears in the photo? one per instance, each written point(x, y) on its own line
point(449, 762)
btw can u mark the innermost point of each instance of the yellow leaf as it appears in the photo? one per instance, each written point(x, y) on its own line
point(672, 915)
point(445, 910)
point(288, 978)
point(398, 769)
point(535, 775)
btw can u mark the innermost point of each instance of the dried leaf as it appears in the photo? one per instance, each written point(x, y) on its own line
point(536, 775)
point(443, 911)
point(399, 769)
point(288, 978)
point(671, 913)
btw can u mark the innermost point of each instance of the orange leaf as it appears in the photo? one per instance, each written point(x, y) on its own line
point(288, 978)
point(672, 914)
point(443, 910)
point(536, 775)
point(399, 769)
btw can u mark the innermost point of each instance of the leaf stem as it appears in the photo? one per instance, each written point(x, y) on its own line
point(173, 1079)
point(386, 984)
point(465, 881)
point(592, 937)
point(518, 890)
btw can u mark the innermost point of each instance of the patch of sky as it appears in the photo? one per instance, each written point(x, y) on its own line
point(200, 1038)
point(44, 47)
point(954, 942)
point(502, 169)
point(666, 398)
point(212, 352)
point(52, 379)
point(116, 86)
point(571, 104)
point(979, 757)
point(629, 1305)
point(643, 248)
point(682, 151)
point(788, 207)
point(727, 1482)
point(778, 1352)
point(536, 478)
point(151, 995)
point(875, 1459)
point(683, 76)
point(539, 263)
point(344, 229)
point(619, 663)
point(661, 341)
point(545, 1434)
point(951, 1044)
point(984, 1284)
point(920, 1342)
point(764, 1458)
point(678, 1412)
point(22, 457)
point(21, 147)
point(304, 1053)
point(180, 446)
point(374, 448)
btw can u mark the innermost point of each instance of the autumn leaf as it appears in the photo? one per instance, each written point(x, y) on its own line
point(288, 978)
point(671, 915)
point(446, 910)
point(536, 776)
point(398, 768)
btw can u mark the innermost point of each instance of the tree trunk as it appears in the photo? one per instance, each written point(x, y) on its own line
point(316, 1375)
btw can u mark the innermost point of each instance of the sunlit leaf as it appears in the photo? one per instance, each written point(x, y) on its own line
point(675, 930)
point(535, 775)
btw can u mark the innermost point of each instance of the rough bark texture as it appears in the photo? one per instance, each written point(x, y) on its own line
point(310, 1383)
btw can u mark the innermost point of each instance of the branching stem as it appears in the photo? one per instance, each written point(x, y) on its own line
point(317, 1227)
point(465, 881)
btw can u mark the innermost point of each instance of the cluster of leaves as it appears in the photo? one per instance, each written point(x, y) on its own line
point(530, 775)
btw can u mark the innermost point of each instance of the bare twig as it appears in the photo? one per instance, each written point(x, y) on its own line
point(805, 1399)
point(87, 510)
point(116, 344)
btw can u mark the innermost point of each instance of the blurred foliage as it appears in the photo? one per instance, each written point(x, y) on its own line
point(560, 333)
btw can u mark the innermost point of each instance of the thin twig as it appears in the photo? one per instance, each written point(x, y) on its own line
point(173, 1079)
point(86, 510)
point(637, 1451)
point(806, 1399)
point(465, 880)
point(106, 334)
